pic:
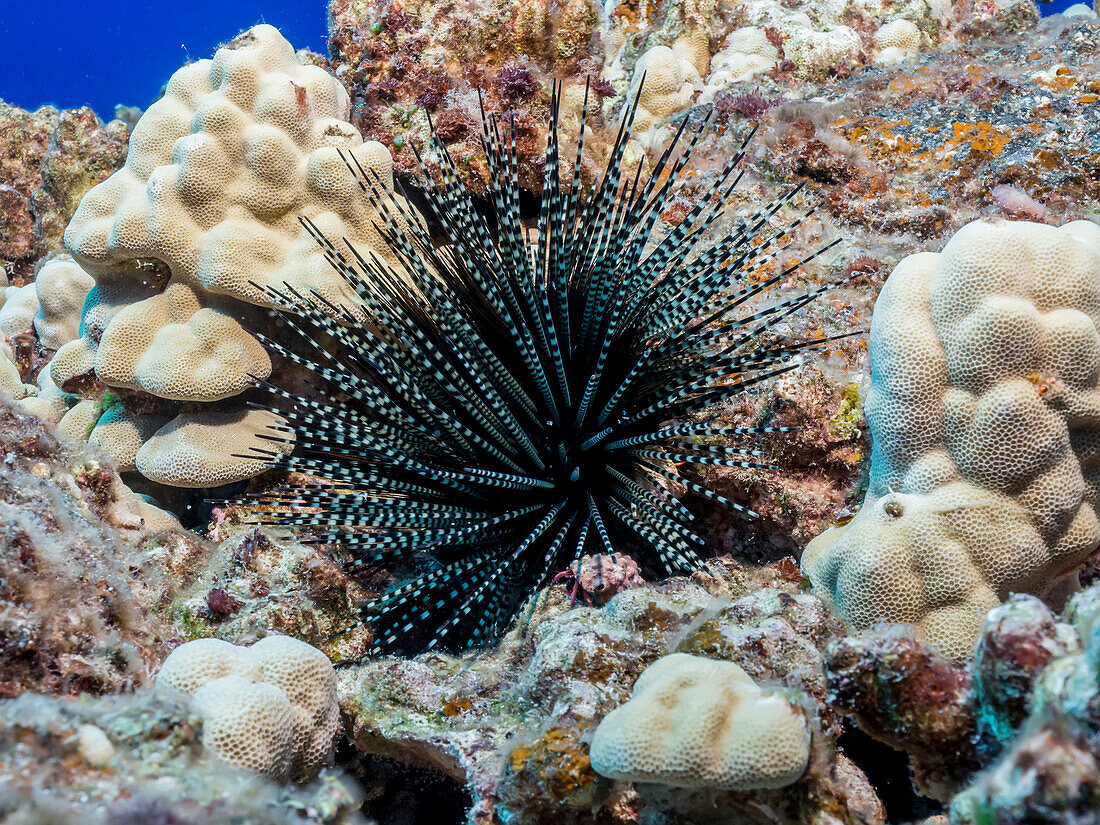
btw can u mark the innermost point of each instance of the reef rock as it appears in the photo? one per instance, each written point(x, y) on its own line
point(421, 61)
point(515, 724)
point(72, 618)
point(259, 580)
point(99, 585)
point(48, 160)
point(1051, 771)
point(955, 721)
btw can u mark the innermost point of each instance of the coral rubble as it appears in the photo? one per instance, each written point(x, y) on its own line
point(1051, 771)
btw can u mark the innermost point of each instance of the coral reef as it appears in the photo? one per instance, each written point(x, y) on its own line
point(48, 160)
point(139, 759)
point(905, 120)
point(99, 585)
point(269, 708)
point(515, 724)
point(467, 382)
point(421, 60)
point(926, 148)
point(405, 63)
point(184, 240)
point(984, 364)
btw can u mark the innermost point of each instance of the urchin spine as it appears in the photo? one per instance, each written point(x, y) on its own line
point(510, 403)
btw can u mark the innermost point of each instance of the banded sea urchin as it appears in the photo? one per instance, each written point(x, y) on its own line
point(517, 399)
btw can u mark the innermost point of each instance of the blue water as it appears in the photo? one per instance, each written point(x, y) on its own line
point(98, 54)
point(103, 53)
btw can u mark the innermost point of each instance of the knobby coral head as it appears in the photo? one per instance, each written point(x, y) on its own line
point(504, 399)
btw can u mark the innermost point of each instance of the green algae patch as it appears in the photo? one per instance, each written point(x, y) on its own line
point(848, 420)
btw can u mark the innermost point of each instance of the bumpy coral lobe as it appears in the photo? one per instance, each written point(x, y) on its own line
point(984, 362)
point(184, 240)
point(269, 708)
point(694, 722)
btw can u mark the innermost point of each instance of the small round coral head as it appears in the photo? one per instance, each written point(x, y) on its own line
point(693, 722)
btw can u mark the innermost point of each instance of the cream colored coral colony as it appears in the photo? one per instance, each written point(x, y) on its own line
point(269, 708)
point(693, 722)
point(984, 410)
point(184, 239)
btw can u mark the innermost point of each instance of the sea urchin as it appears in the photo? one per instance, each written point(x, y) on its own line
point(516, 399)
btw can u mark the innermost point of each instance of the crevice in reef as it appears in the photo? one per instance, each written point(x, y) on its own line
point(888, 771)
point(399, 794)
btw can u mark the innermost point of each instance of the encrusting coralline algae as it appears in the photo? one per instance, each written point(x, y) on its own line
point(908, 121)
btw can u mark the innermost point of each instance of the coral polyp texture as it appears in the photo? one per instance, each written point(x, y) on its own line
point(702, 723)
point(527, 403)
point(269, 708)
point(983, 410)
point(184, 240)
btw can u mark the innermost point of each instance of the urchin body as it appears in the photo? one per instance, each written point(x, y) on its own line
point(509, 400)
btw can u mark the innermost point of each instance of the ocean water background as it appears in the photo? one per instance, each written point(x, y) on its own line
point(101, 54)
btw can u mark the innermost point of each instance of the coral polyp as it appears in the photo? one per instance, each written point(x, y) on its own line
point(518, 396)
